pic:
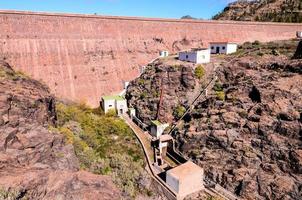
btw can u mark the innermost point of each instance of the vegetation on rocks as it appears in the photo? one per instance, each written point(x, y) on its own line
point(263, 10)
point(36, 163)
point(179, 111)
point(104, 144)
point(8, 194)
point(250, 142)
point(220, 95)
point(199, 71)
point(217, 87)
point(275, 48)
point(178, 80)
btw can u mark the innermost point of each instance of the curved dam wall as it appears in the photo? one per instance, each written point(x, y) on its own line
point(82, 57)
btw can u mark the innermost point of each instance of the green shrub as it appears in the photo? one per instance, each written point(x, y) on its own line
point(143, 95)
point(256, 43)
point(247, 45)
point(220, 95)
point(9, 194)
point(217, 87)
point(69, 136)
point(179, 111)
point(155, 94)
point(141, 81)
point(104, 145)
point(199, 71)
point(111, 113)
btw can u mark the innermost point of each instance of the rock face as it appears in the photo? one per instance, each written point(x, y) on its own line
point(171, 83)
point(35, 163)
point(263, 10)
point(82, 57)
point(250, 142)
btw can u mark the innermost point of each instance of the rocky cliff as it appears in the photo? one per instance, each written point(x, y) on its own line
point(36, 163)
point(246, 132)
point(263, 10)
point(82, 57)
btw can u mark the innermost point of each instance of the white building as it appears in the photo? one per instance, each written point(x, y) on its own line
point(157, 128)
point(118, 103)
point(163, 53)
point(185, 179)
point(223, 47)
point(299, 34)
point(201, 55)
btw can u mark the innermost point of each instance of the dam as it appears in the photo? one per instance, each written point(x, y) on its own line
point(83, 57)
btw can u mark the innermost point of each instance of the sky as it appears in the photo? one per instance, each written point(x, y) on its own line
point(144, 8)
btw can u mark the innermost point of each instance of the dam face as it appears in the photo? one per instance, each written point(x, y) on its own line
point(82, 57)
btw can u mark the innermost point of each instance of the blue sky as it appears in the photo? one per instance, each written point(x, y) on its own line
point(145, 8)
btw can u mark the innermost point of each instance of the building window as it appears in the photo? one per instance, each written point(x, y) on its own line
point(110, 106)
point(223, 48)
point(203, 57)
point(212, 47)
point(187, 56)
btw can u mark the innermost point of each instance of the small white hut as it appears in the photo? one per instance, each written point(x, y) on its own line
point(198, 55)
point(118, 103)
point(223, 47)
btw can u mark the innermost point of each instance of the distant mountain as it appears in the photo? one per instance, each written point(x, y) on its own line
point(263, 10)
point(188, 17)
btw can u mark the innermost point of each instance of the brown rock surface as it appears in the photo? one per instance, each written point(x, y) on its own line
point(83, 57)
point(35, 163)
point(251, 142)
point(262, 10)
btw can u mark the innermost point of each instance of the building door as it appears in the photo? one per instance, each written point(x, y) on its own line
point(217, 49)
point(121, 111)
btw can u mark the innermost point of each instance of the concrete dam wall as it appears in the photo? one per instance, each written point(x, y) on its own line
point(82, 57)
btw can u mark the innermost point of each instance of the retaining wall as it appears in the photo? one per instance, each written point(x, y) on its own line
point(82, 57)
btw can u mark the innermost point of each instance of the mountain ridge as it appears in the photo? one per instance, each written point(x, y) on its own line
point(262, 10)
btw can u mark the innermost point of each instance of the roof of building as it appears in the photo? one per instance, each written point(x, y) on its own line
point(199, 49)
point(185, 169)
point(164, 138)
point(156, 122)
point(223, 42)
point(116, 97)
point(194, 50)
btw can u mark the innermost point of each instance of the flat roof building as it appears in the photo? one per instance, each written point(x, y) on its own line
point(118, 103)
point(185, 179)
point(198, 55)
point(157, 128)
point(223, 47)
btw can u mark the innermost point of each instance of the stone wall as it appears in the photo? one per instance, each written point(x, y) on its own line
point(82, 57)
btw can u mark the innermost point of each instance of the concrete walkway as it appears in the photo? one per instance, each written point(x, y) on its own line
point(145, 141)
